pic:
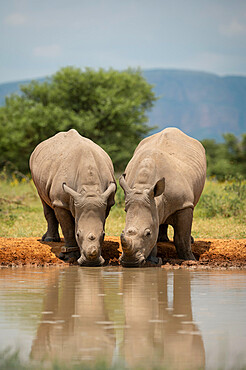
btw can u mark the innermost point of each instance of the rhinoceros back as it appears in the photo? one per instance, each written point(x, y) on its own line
point(175, 156)
point(69, 157)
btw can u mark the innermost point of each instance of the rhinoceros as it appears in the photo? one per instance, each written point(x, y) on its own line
point(162, 184)
point(75, 180)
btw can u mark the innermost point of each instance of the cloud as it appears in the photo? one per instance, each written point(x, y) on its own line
point(47, 51)
point(234, 28)
point(15, 19)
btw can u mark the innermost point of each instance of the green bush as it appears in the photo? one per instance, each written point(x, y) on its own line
point(227, 199)
point(227, 158)
point(119, 197)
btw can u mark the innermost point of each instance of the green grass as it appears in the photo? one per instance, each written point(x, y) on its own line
point(220, 212)
point(21, 213)
point(10, 359)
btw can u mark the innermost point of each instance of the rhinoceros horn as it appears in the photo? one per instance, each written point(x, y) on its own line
point(126, 244)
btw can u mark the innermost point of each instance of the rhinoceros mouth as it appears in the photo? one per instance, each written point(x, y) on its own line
point(132, 262)
point(83, 261)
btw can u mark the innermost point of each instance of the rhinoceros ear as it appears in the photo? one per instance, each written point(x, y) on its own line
point(123, 184)
point(158, 188)
point(70, 191)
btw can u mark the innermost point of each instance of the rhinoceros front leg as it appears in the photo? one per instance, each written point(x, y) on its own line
point(182, 233)
point(52, 234)
point(152, 258)
point(67, 223)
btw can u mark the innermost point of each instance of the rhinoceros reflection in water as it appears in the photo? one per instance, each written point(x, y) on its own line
point(158, 331)
point(68, 328)
point(120, 316)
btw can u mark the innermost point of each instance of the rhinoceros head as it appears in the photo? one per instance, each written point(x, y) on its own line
point(90, 213)
point(142, 224)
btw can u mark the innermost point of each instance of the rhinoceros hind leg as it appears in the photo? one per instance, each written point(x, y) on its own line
point(48, 239)
point(162, 236)
point(71, 256)
point(182, 233)
point(52, 234)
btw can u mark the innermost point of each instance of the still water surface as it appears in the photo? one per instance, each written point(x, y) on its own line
point(179, 319)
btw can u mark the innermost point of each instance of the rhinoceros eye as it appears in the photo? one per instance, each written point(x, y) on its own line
point(79, 234)
point(147, 232)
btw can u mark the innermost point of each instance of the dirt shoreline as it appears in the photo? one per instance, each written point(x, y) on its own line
point(210, 253)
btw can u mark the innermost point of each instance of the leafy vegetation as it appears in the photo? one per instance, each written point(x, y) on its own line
point(10, 359)
point(226, 159)
point(109, 107)
point(220, 212)
point(227, 199)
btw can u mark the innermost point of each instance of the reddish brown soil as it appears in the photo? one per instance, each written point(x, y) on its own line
point(210, 253)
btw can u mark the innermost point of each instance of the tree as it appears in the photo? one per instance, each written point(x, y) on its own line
point(227, 158)
point(109, 107)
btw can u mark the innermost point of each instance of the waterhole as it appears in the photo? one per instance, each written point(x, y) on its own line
point(150, 317)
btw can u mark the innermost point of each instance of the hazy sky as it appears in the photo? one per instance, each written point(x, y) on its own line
point(39, 37)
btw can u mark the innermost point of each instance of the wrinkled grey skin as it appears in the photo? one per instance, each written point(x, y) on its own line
point(75, 181)
point(162, 183)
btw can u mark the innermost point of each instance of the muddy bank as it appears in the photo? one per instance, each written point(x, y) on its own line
point(210, 253)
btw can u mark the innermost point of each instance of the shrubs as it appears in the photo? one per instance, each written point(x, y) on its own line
point(227, 199)
point(227, 158)
point(21, 213)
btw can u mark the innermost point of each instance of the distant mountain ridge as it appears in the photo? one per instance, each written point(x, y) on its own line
point(8, 88)
point(201, 104)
